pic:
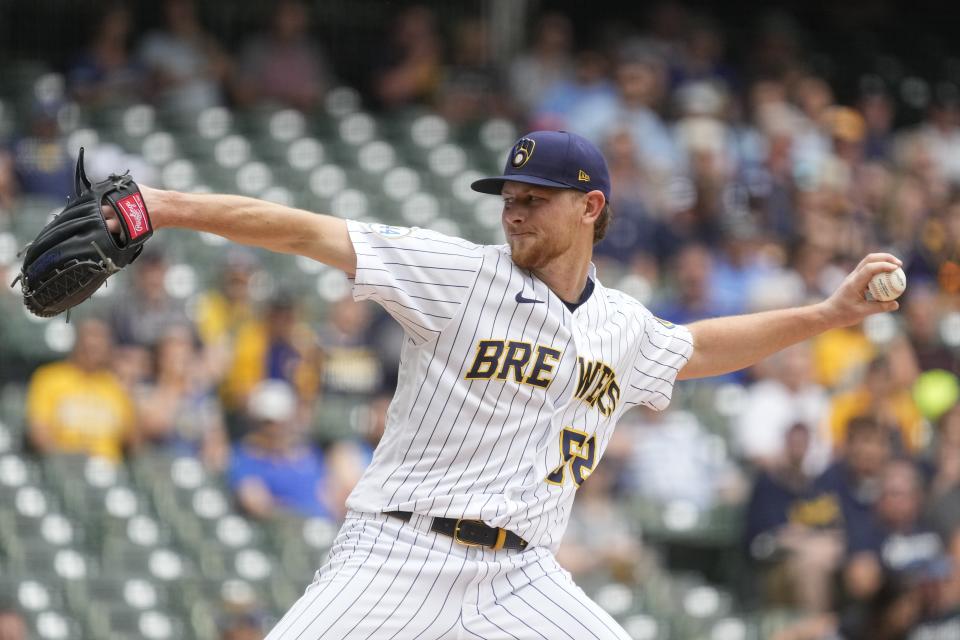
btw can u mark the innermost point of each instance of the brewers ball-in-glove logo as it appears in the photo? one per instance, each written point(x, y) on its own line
point(521, 152)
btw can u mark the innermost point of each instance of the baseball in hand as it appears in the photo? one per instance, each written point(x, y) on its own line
point(888, 285)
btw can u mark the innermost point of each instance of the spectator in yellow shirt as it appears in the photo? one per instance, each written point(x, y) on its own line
point(78, 405)
point(279, 346)
point(223, 310)
point(885, 394)
point(839, 353)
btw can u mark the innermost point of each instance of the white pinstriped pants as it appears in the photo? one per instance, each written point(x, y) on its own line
point(387, 579)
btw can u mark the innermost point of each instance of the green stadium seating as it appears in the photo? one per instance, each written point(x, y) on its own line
point(301, 545)
point(10, 438)
point(44, 561)
point(134, 593)
point(17, 471)
point(645, 627)
point(226, 594)
point(111, 620)
point(164, 564)
point(28, 501)
point(142, 530)
point(52, 624)
point(30, 594)
point(53, 529)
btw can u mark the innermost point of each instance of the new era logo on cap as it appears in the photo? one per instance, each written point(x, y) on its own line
point(552, 159)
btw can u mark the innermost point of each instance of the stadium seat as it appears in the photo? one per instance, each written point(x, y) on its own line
point(50, 563)
point(112, 620)
point(132, 592)
point(97, 492)
point(235, 532)
point(158, 148)
point(137, 121)
point(301, 545)
point(30, 594)
point(356, 129)
point(80, 469)
point(145, 530)
point(17, 471)
point(28, 501)
point(12, 414)
point(53, 625)
point(200, 513)
point(303, 155)
point(53, 529)
point(230, 594)
point(164, 564)
point(274, 130)
point(166, 475)
point(733, 628)
point(213, 123)
point(645, 627)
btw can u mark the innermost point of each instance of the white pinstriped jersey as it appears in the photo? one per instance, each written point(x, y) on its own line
point(506, 399)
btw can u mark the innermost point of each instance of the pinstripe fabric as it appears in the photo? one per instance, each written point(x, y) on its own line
point(506, 439)
point(481, 448)
point(391, 580)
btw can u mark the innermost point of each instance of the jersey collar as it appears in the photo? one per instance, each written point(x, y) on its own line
point(584, 296)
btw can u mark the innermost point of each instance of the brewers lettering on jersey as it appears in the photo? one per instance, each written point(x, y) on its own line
point(516, 365)
point(503, 407)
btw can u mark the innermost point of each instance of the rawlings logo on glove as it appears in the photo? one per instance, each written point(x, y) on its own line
point(75, 253)
point(134, 214)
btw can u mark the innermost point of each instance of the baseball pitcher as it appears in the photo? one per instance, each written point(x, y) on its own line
point(517, 364)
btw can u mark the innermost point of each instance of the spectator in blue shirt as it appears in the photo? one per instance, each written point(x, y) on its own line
point(274, 470)
point(792, 533)
point(854, 479)
point(42, 165)
point(895, 540)
point(641, 87)
point(106, 73)
point(890, 558)
point(692, 297)
point(589, 82)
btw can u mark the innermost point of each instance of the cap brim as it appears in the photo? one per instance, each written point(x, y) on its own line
point(495, 185)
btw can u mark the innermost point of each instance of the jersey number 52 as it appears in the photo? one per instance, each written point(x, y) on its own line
point(579, 455)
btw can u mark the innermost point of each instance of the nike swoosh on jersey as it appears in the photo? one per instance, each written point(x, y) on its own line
point(520, 299)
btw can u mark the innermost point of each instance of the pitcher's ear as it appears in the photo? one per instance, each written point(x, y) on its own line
point(80, 182)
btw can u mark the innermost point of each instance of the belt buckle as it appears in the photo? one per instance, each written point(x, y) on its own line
point(456, 534)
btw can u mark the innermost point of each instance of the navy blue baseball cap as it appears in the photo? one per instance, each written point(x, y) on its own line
point(552, 159)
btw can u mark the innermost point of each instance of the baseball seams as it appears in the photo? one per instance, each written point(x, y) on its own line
point(887, 286)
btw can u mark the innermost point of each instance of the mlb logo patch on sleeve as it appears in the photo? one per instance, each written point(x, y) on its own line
point(389, 231)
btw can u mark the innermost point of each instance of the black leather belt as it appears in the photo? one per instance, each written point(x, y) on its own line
point(472, 533)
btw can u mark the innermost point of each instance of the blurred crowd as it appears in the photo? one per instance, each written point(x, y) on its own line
point(737, 186)
point(239, 385)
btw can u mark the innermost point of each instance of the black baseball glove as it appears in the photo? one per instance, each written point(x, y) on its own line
point(75, 253)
